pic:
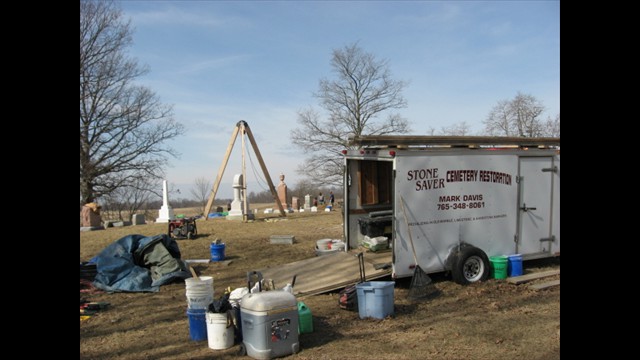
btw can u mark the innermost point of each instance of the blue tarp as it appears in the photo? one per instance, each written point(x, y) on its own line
point(217, 214)
point(137, 263)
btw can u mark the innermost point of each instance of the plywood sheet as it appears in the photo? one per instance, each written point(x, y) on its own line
point(327, 272)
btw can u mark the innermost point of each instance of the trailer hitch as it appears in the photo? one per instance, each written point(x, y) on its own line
point(525, 208)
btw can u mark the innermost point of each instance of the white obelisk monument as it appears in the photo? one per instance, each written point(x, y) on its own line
point(166, 212)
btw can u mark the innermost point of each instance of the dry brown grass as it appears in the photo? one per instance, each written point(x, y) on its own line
point(491, 320)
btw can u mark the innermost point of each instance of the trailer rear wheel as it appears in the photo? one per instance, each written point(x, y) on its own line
point(471, 265)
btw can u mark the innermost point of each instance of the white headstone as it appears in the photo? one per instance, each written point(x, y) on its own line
point(166, 212)
point(307, 202)
point(238, 211)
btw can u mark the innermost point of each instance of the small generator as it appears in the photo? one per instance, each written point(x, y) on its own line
point(184, 228)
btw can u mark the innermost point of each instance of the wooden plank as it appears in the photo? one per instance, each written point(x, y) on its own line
point(545, 285)
point(324, 273)
point(537, 275)
point(216, 183)
point(395, 140)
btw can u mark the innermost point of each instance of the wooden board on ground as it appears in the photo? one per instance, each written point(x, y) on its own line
point(537, 275)
point(545, 285)
point(327, 272)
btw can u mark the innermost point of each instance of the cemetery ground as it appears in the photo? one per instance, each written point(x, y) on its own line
point(489, 320)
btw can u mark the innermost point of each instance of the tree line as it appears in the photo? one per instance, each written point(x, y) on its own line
point(131, 201)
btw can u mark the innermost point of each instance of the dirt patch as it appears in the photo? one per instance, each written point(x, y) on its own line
point(489, 320)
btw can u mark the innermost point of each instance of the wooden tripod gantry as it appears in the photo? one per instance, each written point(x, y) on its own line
point(243, 128)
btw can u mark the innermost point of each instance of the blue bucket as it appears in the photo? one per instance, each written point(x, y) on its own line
point(514, 266)
point(217, 252)
point(197, 324)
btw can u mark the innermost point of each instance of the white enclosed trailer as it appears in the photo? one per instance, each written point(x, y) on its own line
point(465, 198)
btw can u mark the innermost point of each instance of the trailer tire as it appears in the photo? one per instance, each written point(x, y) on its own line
point(470, 265)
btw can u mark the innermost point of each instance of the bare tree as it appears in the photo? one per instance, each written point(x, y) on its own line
point(551, 127)
point(261, 197)
point(457, 129)
point(127, 200)
point(362, 91)
point(516, 117)
point(200, 192)
point(123, 126)
point(305, 187)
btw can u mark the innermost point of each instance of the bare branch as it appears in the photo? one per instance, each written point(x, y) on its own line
point(551, 127)
point(516, 117)
point(131, 197)
point(200, 192)
point(457, 129)
point(123, 127)
point(361, 93)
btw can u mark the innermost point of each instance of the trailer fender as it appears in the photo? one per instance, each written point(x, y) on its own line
point(469, 264)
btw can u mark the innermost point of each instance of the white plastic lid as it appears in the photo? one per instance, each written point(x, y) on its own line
point(268, 300)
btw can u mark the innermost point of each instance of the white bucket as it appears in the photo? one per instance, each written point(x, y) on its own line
point(199, 292)
point(201, 281)
point(323, 244)
point(219, 330)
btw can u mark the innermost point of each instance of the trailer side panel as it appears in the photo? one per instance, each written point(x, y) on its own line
point(453, 199)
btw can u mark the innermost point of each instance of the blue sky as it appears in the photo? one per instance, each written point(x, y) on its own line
point(219, 62)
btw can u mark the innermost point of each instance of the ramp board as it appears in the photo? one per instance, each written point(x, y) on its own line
point(528, 277)
point(327, 272)
point(545, 285)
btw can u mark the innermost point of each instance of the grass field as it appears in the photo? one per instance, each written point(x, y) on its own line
point(489, 320)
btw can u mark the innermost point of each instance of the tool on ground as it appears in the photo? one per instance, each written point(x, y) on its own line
point(88, 308)
point(421, 284)
point(93, 305)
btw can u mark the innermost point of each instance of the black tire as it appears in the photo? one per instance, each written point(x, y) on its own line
point(470, 265)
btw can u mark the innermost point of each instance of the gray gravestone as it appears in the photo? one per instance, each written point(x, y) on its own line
point(138, 219)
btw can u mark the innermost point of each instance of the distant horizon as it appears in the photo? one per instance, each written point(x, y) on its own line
point(249, 187)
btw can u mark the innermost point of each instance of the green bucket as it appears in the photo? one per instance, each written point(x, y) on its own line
point(499, 266)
